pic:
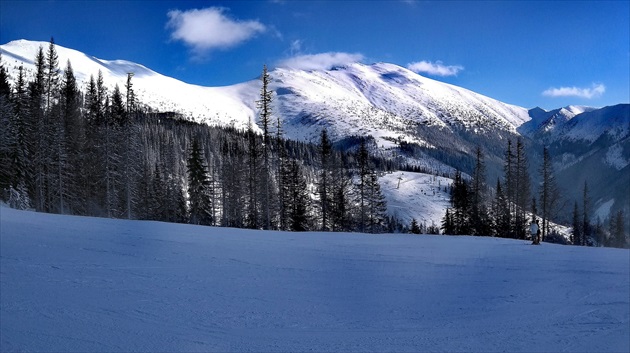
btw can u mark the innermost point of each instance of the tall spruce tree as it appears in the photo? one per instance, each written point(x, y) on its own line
point(377, 206)
point(509, 171)
point(620, 239)
point(254, 170)
point(523, 189)
point(325, 183)
point(500, 213)
point(298, 202)
point(549, 194)
point(198, 183)
point(576, 233)
point(22, 170)
point(363, 166)
point(479, 218)
point(342, 193)
point(586, 214)
point(8, 135)
point(265, 111)
point(460, 201)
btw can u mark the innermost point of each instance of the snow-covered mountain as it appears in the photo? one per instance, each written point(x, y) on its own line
point(413, 118)
point(384, 100)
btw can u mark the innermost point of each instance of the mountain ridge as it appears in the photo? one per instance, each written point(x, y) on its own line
point(414, 119)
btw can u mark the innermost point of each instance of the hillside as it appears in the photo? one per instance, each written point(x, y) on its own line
point(90, 284)
point(416, 120)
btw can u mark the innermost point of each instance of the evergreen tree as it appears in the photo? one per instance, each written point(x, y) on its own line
point(460, 201)
point(523, 190)
point(38, 133)
point(282, 176)
point(131, 148)
point(479, 218)
point(415, 229)
point(325, 183)
point(198, 182)
point(265, 111)
point(599, 233)
point(447, 223)
point(500, 213)
point(22, 171)
point(8, 135)
point(340, 215)
point(549, 193)
point(298, 202)
point(510, 189)
point(377, 206)
point(253, 204)
point(619, 227)
point(576, 234)
point(586, 224)
point(70, 145)
point(363, 173)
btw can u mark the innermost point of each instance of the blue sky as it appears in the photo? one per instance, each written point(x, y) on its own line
point(531, 53)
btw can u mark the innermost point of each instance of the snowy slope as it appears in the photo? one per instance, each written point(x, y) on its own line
point(101, 285)
point(212, 105)
point(419, 196)
point(384, 100)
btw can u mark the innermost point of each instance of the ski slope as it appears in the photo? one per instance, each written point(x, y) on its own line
point(416, 195)
point(88, 284)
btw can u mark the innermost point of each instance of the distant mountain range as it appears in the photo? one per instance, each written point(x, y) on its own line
point(412, 118)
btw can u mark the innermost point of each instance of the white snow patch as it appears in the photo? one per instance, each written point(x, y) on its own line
point(603, 211)
point(615, 158)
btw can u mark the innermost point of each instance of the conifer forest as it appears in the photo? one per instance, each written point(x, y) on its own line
point(101, 152)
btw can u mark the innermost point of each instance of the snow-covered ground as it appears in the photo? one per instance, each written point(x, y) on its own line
point(89, 284)
point(416, 195)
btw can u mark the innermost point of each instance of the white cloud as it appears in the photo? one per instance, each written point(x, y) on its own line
point(322, 61)
point(209, 28)
point(596, 90)
point(435, 69)
point(296, 47)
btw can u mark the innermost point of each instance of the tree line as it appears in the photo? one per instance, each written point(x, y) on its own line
point(507, 209)
point(101, 152)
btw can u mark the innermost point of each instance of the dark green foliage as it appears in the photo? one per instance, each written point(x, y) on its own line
point(325, 182)
point(198, 187)
point(298, 201)
point(414, 228)
point(576, 235)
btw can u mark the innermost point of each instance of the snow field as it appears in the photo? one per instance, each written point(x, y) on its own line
point(420, 196)
point(88, 284)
